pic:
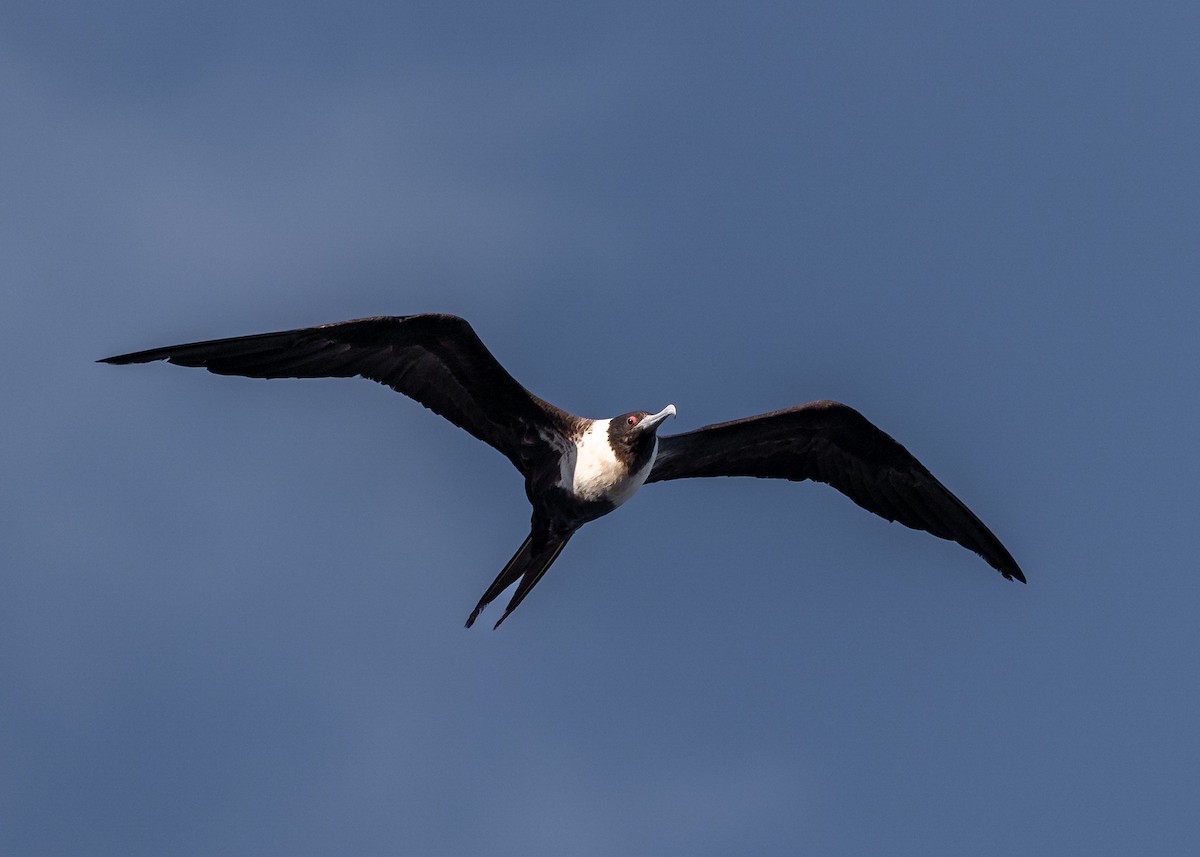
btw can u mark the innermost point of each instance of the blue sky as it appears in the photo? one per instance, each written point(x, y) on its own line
point(232, 619)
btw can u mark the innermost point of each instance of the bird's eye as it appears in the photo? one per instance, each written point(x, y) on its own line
point(631, 420)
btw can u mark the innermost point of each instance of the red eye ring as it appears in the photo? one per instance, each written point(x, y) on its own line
point(631, 420)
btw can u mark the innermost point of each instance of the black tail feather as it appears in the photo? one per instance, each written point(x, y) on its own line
point(528, 565)
point(541, 561)
point(511, 571)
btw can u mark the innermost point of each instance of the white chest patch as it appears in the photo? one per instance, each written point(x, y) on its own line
point(594, 473)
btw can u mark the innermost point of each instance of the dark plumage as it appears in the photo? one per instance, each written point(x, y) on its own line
point(576, 469)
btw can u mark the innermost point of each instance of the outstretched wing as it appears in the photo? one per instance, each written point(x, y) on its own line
point(835, 444)
point(436, 359)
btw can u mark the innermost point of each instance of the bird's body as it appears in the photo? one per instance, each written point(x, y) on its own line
point(577, 470)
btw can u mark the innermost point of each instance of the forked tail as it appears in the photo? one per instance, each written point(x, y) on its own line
point(528, 564)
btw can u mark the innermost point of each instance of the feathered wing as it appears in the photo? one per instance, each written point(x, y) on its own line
point(835, 444)
point(438, 360)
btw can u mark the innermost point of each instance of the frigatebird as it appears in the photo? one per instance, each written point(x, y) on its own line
point(577, 469)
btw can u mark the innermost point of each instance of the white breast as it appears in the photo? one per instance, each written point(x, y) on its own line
point(594, 473)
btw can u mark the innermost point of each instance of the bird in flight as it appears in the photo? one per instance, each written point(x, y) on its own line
point(577, 469)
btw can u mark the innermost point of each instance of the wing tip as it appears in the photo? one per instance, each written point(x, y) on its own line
point(1006, 565)
point(135, 357)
